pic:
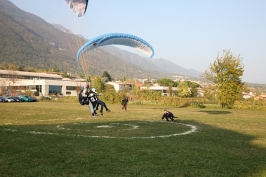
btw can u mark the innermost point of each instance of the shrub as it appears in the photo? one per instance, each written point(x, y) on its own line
point(197, 104)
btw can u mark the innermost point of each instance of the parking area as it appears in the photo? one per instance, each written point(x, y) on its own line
point(19, 98)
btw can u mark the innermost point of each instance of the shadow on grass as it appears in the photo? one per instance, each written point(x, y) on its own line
point(216, 112)
point(210, 151)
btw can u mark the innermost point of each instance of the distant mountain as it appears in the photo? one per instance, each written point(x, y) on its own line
point(29, 41)
point(158, 65)
point(61, 28)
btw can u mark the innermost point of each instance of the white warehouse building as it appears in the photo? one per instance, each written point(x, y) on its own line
point(43, 83)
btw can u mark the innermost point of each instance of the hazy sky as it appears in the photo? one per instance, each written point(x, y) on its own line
point(190, 33)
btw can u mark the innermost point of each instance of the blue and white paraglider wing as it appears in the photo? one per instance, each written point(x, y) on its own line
point(117, 39)
point(79, 7)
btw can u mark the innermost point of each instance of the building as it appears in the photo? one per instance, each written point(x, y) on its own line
point(248, 95)
point(163, 89)
point(118, 86)
point(261, 97)
point(43, 83)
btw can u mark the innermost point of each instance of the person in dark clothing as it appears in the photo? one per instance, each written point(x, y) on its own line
point(124, 103)
point(92, 97)
point(100, 102)
point(168, 115)
point(86, 97)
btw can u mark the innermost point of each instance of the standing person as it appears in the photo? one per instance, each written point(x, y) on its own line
point(124, 103)
point(168, 115)
point(99, 102)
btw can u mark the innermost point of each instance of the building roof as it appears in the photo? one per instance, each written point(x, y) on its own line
point(33, 74)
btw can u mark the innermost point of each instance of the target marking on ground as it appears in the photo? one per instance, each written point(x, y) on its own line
point(107, 125)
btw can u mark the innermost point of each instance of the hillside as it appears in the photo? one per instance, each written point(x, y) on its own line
point(29, 41)
point(158, 65)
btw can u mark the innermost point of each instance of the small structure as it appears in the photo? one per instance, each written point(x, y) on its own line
point(248, 95)
point(261, 97)
point(118, 86)
point(163, 89)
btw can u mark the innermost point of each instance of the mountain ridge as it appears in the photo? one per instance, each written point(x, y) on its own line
point(29, 41)
point(152, 64)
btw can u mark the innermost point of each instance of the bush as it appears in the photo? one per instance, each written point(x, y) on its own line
point(251, 104)
point(197, 104)
point(153, 98)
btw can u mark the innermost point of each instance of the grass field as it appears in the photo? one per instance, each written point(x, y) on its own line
point(62, 139)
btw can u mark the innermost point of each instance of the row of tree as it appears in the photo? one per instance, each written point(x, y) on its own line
point(224, 77)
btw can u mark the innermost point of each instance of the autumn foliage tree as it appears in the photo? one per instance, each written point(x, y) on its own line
point(225, 73)
point(97, 83)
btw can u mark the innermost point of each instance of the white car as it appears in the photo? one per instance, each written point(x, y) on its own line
point(9, 99)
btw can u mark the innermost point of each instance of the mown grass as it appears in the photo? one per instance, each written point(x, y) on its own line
point(61, 139)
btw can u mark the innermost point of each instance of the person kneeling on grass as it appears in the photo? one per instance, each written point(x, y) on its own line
point(168, 115)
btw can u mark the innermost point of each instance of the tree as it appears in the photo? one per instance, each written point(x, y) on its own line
point(96, 82)
point(107, 76)
point(54, 69)
point(193, 88)
point(167, 82)
point(184, 90)
point(225, 73)
point(210, 92)
point(10, 82)
point(66, 75)
point(170, 89)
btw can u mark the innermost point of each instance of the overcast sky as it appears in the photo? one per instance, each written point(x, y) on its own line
point(190, 33)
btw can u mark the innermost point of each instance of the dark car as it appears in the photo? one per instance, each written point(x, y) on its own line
point(16, 98)
point(2, 99)
point(32, 99)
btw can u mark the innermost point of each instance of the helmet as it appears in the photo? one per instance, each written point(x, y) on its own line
point(93, 89)
point(86, 85)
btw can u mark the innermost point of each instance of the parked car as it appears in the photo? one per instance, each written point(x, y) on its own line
point(32, 99)
point(16, 98)
point(25, 98)
point(2, 99)
point(9, 99)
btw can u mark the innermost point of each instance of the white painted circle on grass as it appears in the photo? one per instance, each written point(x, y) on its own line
point(130, 126)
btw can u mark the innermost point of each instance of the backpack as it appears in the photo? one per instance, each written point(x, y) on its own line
point(81, 99)
point(169, 114)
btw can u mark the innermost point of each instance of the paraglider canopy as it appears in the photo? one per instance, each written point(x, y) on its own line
point(79, 7)
point(117, 39)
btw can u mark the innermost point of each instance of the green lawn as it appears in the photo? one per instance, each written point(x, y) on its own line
point(62, 139)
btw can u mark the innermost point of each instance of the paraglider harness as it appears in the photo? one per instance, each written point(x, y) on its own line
point(82, 100)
